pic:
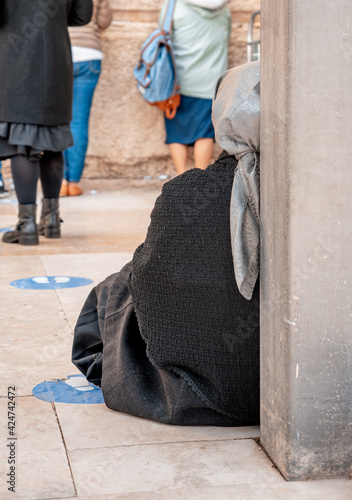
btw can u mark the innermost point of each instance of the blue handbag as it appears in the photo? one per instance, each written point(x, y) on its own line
point(155, 72)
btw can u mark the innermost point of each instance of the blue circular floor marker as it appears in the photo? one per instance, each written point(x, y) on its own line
point(50, 282)
point(74, 390)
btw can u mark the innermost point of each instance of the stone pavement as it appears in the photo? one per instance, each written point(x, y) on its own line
point(64, 450)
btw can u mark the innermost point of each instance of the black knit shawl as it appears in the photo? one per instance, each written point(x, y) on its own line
point(189, 310)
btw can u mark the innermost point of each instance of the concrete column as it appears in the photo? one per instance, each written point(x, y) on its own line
point(306, 261)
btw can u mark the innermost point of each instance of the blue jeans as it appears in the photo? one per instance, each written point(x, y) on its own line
point(86, 76)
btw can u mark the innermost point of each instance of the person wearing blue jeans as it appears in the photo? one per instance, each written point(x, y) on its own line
point(86, 76)
point(87, 56)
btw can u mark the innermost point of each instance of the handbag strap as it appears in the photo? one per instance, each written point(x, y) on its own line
point(168, 16)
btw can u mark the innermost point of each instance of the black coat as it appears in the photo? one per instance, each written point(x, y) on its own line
point(35, 59)
point(169, 337)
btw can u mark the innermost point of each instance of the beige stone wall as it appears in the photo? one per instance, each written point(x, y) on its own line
point(126, 134)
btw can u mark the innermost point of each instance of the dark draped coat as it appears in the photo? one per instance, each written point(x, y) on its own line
point(170, 338)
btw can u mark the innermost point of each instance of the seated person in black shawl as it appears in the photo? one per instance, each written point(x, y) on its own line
point(174, 336)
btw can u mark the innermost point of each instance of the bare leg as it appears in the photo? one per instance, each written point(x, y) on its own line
point(203, 150)
point(179, 154)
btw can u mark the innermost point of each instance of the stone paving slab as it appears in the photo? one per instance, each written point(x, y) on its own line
point(105, 222)
point(42, 469)
point(36, 337)
point(8, 217)
point(8, 212)
point(33, 375)
point(93, 266)
point(310, 490)
point(78, 423)
point(130, 469)
point(106, 201)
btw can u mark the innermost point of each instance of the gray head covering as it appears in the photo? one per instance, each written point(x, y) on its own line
point(236, 118)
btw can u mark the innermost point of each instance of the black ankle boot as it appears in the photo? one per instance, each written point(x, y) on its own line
point(50, 220)
point(26, 232)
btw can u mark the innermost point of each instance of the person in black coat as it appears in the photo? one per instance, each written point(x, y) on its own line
point(35, 104)
point(171, 337)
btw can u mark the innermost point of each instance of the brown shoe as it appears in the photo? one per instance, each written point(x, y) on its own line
point(73, 189)
point(64, 188)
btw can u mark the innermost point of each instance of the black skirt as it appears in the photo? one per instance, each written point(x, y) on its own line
point(32, 140)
